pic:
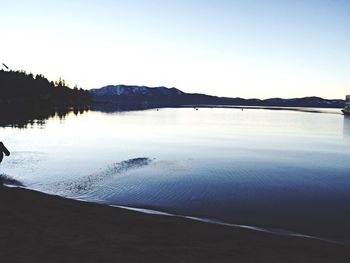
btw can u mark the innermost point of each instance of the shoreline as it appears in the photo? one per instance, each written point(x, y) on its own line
point(36, 227)
point(329, 110)
point(152, 211)
point(269, 230)
point(286, 108)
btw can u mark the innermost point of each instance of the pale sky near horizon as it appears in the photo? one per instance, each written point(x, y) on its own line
point(251, 48)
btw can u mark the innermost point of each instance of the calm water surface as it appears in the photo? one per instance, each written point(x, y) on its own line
point(280, 170)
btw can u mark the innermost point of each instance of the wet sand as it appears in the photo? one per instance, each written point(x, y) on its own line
point(35, 227)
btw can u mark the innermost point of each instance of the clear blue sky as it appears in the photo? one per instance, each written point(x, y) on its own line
point(246, 48)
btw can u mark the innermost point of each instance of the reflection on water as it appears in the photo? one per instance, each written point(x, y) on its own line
point(24, 117)
point(346, 127)
point(274, 169)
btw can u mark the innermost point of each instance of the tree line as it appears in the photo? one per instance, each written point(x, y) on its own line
point(18, 87)
point(24, 96)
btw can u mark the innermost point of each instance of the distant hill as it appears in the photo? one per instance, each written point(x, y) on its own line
point(143, 97)
point(124, 90)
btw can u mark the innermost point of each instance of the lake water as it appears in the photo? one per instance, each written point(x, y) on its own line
point(274, 169)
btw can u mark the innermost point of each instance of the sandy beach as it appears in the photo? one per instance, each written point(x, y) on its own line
point(35, 227)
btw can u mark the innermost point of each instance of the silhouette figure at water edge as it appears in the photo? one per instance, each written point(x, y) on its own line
point(3, 150)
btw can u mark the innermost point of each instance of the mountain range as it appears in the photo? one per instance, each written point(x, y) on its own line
point(125, 96)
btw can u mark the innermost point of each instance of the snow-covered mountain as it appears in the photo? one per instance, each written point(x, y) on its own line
point(125, 90)
point(145, 97)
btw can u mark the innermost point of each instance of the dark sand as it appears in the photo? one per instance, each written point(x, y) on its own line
point(35, 227)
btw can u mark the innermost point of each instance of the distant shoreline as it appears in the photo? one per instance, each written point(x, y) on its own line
point(302, 109)
point(114, 108)
point(21, 118)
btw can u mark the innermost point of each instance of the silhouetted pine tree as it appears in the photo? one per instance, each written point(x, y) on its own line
point(25, 96)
